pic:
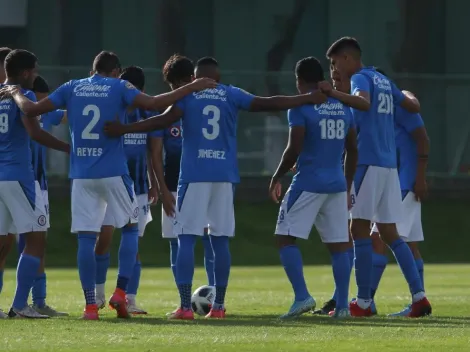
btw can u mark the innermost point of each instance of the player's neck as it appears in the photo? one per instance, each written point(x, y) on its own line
point(12, 81)
point(309, 88)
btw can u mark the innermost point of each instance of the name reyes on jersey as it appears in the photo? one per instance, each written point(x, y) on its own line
point(332, 109)
point(84, 151)
point(211, 154)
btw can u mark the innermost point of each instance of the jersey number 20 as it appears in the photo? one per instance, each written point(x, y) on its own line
point(94, 111)
point(213, 112)
point(332, 129)
point(385, 103)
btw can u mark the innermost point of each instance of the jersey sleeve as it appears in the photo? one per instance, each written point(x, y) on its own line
point(408, 121)
point(60, 95)
point(30, 95)
point(241, 98)
point(295, 118)
point(55, 117)
point(360, 83)
point(129, 92)
point(397, 94)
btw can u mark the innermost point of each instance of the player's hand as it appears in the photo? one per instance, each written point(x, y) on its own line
point(168, 202)
point(318, 97)
point(421, 190)
point(325, 87)
point(8, 91)
point(201, 84)
point(152, 196)
point(294, 168)
point(275, 189)
point(114, 129)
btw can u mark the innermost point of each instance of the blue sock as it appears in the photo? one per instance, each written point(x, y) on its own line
point(173, 255)
point(1, 280)
point(350, 252)
point(185, 268)
point(25, 274)
point(87, 265)
point(363, 266)
point(102, 265)
point(222, 262)
point(407, 264)
point(208, 260)
point(419, 265)
point(128, 250)
point(21, 243)
point(379, 263)
point(39, 290)
point(342, 275)
point(133, 285)
point(291, 259)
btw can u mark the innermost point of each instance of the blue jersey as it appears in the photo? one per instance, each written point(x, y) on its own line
point(91, 102)
point(319, 166)
point(405, 124)
point(376, 130)
point(135, 147)
point(209, 123)
point(39, 151)
point(172, 144)
point(15, 152)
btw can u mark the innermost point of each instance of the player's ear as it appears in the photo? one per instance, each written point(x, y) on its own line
point(92, 73)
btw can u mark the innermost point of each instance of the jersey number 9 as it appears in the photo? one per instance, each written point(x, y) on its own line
point(332, 129)
point(94, 111)
point(214, 113)
point(3, 123)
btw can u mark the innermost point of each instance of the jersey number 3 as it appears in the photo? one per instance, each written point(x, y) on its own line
point(94, 111)
point(332, 129)
point(214, 113)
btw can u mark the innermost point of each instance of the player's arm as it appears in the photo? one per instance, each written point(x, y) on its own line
point(162, 101)
point(31, 108)
point(64, 118)
point(292, 151)
point(360, 93)
point(43, 137)
point(408, 101)
point(282, 102)
point(351, 157)
point(422, 148)
point(153, 192)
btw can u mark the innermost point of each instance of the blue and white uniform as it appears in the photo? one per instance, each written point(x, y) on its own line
point(172, 144)
point(376, 181)
point(22, 206)
point(318, 192)
point(209, 167)
point(98, 163)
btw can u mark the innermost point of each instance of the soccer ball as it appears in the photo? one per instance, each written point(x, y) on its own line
point(202, 299)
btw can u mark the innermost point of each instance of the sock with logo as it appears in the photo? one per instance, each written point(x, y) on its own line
point(87, 265)
point(26, 272)
point(342, 275)
point(363, 269)
point(407, 264)
point(185, 268)
point(127, 255)
point(173, 255)
point(291, 259)
point(379, 263)
point(208, 259)
point(39, 290)
point(222, 262)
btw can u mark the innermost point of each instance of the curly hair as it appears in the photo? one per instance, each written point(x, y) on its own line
point(177, 69)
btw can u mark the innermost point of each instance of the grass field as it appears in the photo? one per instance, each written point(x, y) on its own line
point(255, 299)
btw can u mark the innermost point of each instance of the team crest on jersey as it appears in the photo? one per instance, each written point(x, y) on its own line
point(42, 220)
point(175, 131)
point(129, 85)
point(136, 213)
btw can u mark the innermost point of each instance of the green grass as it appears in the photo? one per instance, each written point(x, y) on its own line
point(255, 299)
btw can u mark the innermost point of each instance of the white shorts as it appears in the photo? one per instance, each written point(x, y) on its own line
point(410, 227)
point(21, 207)
point(301, 210)
point(205, 204)
point(45, 196)
point(378, 195)
point(167, 223)
point(145, 215)
point(92, 198)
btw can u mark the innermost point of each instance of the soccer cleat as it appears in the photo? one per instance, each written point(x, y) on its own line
point(90, 312)
point(100, 302)
point(340, 313)
point(49, 311)
point(3, 315)
point(216, 314)
point(420, 309)
point(402, 313)
point(26, 313)
point(373, 307)
point(133, 309)
point(326, 309)
point(171, 313)
point(118, 302)
point(299, 307)
point(357, 311)
point(181, 314)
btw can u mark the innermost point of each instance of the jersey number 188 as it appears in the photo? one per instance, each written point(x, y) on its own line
point(332, 129)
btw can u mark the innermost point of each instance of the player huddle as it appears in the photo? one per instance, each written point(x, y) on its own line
point(118, 134)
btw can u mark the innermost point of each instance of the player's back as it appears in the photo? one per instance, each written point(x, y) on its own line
point(319, 165)
point(15, 152)
point(209, 124)
point(376, 133)
point(90, 103)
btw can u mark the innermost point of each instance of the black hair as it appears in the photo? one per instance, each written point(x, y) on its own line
point(18, 61)
point(379, 70)
point(105, 62)
point(309, 70)
point(178, 69)
point(207, 61)
point(40, 85)
point(3, 53)
point(344, 44)
point(135, 75)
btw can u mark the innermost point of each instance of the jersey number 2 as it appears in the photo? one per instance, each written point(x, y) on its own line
point(3, 123)
point(214, 111)
point(95, 112)
point(385, 103)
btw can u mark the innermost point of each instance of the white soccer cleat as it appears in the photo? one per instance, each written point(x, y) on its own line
point(101, 302)
point(3, 315)
point(133, 309)
point(26, 313)
point(49, 311)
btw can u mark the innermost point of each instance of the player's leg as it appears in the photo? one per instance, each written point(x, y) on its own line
point(296, 217)
point(167, 232)
point(88, 210)
point(6, 242)
point(145, 216)
point(191, 219)
point(389, 213)
point(208, 258)
point(103, 244)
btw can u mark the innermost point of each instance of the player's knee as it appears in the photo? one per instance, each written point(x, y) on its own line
point(360, 228)
point(378, 245)
point(104, 240)
point(284, 241)
point(414, 249)
point(35, 244)
point(338, 247)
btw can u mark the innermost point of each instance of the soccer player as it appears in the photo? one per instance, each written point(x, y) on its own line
point(167, 171)
point(136, 149)
point(319, 192)
point(98, 165)
point(209, 172)
point(373, 97)
point(22, 206)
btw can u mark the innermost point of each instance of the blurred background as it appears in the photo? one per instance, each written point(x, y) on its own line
point(257, 43)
